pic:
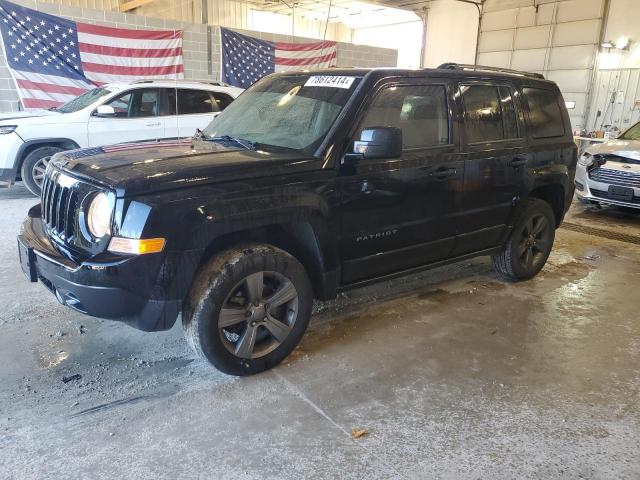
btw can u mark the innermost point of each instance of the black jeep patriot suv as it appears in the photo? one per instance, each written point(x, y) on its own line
point(309, 183)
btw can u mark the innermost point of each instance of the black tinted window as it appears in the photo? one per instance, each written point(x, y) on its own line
point(482, 113)
point(222, 100)
point(195, 101)
point(545, 116)
point(419, 111)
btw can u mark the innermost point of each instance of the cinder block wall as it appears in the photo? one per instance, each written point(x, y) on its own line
point(195, 42)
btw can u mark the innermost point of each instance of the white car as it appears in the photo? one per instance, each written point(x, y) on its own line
point(610, 172)
point(113, 113)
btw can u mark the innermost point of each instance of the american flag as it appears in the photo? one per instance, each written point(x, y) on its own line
point(53, 60)
point(246, 59)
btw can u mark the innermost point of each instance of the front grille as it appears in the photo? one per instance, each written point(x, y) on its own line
point(59, 199)
point(605, 195)
point(615, 177)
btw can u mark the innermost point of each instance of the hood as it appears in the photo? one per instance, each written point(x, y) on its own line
point(145, 167)
point(28, 114)
point(629, 149)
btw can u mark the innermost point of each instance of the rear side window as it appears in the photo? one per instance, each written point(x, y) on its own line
point(545, 116)
point(489, 113)
point(419, 111)
point(195, 101)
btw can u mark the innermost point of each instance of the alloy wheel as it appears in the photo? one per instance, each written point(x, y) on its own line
point(258, 314)
point(535, 241)
point(39, 169)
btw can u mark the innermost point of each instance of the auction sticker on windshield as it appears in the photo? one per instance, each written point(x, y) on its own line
point(334, 81)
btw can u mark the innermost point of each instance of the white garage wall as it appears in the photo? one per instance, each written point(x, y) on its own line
point(557, 38)
point(452, 32)
point(406, 38)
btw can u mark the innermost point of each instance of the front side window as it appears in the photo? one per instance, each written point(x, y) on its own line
point(290, 112)
point(545, 116)
point(195, 101)
point(136, 104)
point(419, 111)
point(489, 113)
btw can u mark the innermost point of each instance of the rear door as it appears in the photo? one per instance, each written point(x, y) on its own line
point(495, 154)
point(399, 213)
point(137, 118)
point(196, 109)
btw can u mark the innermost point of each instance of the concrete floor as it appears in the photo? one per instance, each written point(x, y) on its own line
point(454, 373)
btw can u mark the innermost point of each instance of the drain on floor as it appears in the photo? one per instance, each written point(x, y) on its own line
point(601, 232)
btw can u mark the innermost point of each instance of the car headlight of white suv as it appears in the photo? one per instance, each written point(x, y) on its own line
point(585, 160)
point(4, 129)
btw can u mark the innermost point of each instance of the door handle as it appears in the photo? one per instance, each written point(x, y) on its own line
point(152, 124)
point(444, 173)
point(517, 162)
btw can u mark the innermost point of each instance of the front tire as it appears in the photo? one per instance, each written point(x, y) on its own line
point(34, 166)
point(529, 244)
point(248, 309)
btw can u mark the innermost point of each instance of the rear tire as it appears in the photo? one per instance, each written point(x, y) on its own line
point(248, 308)
point(34, 166)
point(529, 244)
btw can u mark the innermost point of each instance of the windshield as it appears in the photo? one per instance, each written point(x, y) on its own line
point(290, 112)
point(632, 134)
point(83, 100)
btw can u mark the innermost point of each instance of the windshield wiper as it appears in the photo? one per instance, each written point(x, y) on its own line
point(246, 144)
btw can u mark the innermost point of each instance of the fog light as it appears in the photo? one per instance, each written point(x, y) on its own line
point(579, 185)
point(136, 246)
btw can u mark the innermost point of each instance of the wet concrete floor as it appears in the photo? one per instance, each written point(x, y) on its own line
point(453, 373)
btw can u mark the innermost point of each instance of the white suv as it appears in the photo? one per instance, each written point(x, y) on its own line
point(113, 113)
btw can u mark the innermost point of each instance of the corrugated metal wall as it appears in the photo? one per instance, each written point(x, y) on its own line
point(558, 39)
point(616, 97)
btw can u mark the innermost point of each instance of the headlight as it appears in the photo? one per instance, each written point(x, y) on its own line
point(4, 129)
point(585, 160)
point(99, 216)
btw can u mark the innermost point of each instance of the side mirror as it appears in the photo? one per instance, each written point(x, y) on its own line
point(379, 142)
point(105, 111)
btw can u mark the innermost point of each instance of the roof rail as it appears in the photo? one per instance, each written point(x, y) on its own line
point(215, 84)
point(483, 68)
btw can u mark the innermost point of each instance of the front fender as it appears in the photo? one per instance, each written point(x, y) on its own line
point(196, 227)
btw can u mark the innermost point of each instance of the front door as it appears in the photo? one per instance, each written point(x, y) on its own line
point(495, 156)
point(399, 213)
point(136, 118)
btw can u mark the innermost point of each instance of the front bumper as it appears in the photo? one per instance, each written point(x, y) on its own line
point(598, 192)
point(115, 288)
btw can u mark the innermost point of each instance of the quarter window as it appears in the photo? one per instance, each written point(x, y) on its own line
point(419, 111)
point(195, 101)
point(489, 113)
point(545, 115)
